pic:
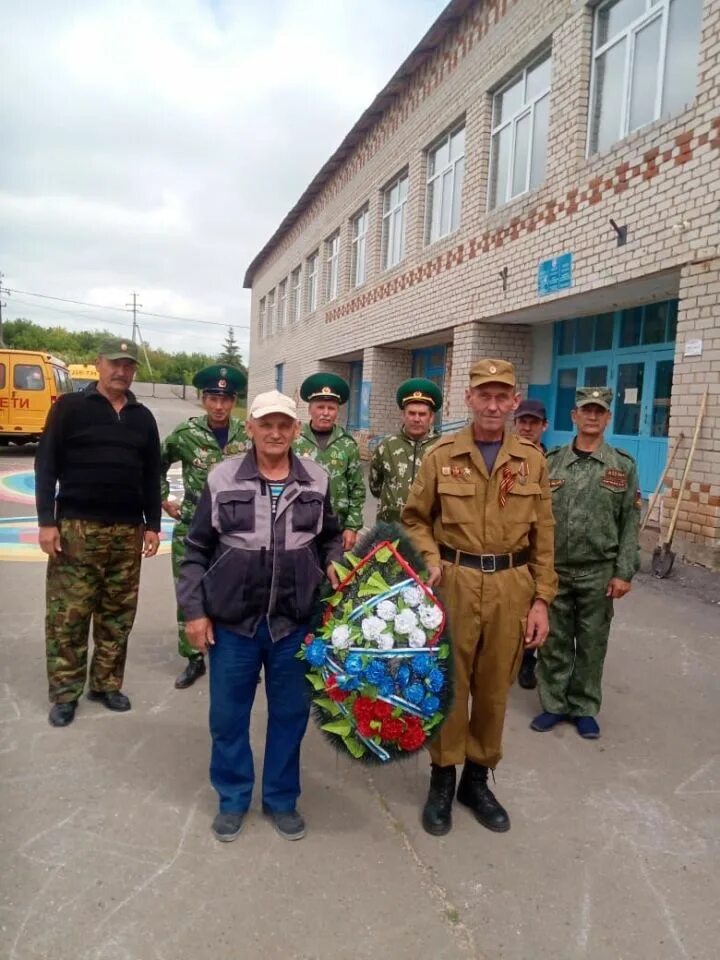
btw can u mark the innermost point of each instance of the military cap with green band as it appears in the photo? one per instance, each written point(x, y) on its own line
point(220, 379)
point(419, 390)
point(115, 348)
point(601, 396)
point(324, 386)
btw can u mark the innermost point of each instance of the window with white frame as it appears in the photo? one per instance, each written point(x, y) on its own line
point(393, 225)
point(645, 60)
point(332, 265)
point(521, 115)
point(295, 294)
point(445, 173)
point(311, 281)
point(261, 319)
point(358, 268)
point(271, 328)
point(282, 305)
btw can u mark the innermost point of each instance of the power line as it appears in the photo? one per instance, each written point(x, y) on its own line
point(145, 313)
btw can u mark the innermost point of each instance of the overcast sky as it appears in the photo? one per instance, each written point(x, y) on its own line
point(155, 145)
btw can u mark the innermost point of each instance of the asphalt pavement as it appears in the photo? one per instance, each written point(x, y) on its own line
point(107, 854)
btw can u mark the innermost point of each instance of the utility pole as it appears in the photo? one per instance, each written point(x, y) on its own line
point(2, 342)
point(134, 306)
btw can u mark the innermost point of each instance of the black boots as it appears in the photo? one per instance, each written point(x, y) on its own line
point(61, 714)
point(474, 792)
point(193, 671)
point(437, 812)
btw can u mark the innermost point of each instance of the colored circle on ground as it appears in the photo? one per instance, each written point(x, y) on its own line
point(18, 539)
point(18, 486)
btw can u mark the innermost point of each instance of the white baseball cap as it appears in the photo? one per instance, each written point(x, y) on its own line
point(273, 402)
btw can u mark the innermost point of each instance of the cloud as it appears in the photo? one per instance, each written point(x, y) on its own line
point(156, 145)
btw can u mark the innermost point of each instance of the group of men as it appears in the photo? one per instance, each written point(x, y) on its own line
point(527, 549)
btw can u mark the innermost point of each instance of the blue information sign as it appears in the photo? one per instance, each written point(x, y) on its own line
point(555, 274)
point(365, 405)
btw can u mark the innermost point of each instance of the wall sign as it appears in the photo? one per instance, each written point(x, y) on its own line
point(693, 348)
point(555, 274)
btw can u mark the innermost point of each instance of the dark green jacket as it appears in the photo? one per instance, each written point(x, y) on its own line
point(392, 471)
point(341, 459)
point(596, 503)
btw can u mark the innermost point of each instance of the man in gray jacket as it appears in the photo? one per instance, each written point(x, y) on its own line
point(262, 540)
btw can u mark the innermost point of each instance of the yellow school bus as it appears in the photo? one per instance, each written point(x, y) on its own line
point(30, 382)
point(82, 374)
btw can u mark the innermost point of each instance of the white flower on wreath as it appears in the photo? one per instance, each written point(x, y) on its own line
point(340, 637)
point(405, 622)
point(372, 627)
point(385, 641)
point(386, 609)
point(413, 596)
point(417, 638)
point(430, 617)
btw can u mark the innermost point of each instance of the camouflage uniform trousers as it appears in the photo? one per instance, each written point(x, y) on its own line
point(177, 553)
point(97, 575)
point(570, 664)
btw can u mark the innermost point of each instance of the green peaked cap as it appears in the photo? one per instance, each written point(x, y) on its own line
point(602, 396)
point(419, 390)
point(220, 378)
point(324, 386)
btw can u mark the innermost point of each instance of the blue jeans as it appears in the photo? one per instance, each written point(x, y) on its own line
point(235, 663)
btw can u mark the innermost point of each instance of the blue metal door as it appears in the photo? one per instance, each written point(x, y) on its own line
point(630, 351)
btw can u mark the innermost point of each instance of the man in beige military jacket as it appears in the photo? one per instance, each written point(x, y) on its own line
point(480, 512)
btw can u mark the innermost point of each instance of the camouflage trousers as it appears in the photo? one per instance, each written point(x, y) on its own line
point(177, 553)
point(570, 664)
point(96, 576)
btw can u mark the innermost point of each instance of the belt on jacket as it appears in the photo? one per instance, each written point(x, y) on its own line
point(487, 562)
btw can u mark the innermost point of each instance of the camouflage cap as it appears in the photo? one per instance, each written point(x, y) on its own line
point(220, 379)
point(419, 390)
point(115, 348)
point(324, 386)
point(492, 371)
point(601, 396)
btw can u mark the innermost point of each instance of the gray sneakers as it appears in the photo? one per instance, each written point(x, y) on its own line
point(288, 823)
point(226, 826)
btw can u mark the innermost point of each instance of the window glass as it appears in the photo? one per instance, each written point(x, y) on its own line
point(522, 149)
point(359, 244)
point(28, 376)
point(606, 121)
point(393, 225)
point(565, 399)
point(630, 326)
point(567, 337)
point(604, 325)
point(615, 17)
point(655, 322)
point(510, 100)
point(584, 334)
point(279, 376)
point(446, 168)
point(2, 375)
point(596, 376)
point(538, 153)
point(684, 30)
point(628, 398)
point(672, 322)
point(354, 399)
point(644, 74)
point(502, 144)
point(661, 399)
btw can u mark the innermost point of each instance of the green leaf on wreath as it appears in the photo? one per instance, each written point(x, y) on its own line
point(434, 720)
point(378, 582)
point(328, 705)
point(383, 554)
point(317, 682)
point(353, 559)
point(340, 570)
point(367, 590)
point(341, 727)
point(334, 600)
point(397, 713)
point(443, 651)
point(347, 608)
point(355, 748)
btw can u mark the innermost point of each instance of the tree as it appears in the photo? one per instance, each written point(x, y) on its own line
point(230, 351)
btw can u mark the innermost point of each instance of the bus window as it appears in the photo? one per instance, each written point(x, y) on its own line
point(28, 376)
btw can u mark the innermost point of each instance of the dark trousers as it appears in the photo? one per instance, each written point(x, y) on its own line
point(96, 576)
point(235, 663)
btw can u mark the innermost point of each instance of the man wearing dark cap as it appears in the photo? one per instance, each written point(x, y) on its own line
point(530, 424)
point(397, 459)
point(480, 513)
point(100, 447)
point(324, 441)
point(198, 444)
point(596, 503)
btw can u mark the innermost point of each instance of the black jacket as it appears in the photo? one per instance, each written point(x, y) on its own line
point(242, 564)
point(107, 464)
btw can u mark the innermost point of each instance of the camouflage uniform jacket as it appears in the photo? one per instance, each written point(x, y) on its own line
point(596, 503)
point(194, 445)
point(392, 471)
point(341, 459)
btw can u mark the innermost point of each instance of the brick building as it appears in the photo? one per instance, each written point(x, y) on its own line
point(538, 181)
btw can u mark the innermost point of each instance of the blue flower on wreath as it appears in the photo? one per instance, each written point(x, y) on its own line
point(315, 653)
point(375, 673)
point(403, 675)
point(353, 663)
point(386, 688)
point(421, 664)
point(436, 680)
point(414, 693)
point(430, 705)
point(348, 683)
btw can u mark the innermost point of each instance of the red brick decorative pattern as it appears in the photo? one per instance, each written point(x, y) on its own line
point(577, 199)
